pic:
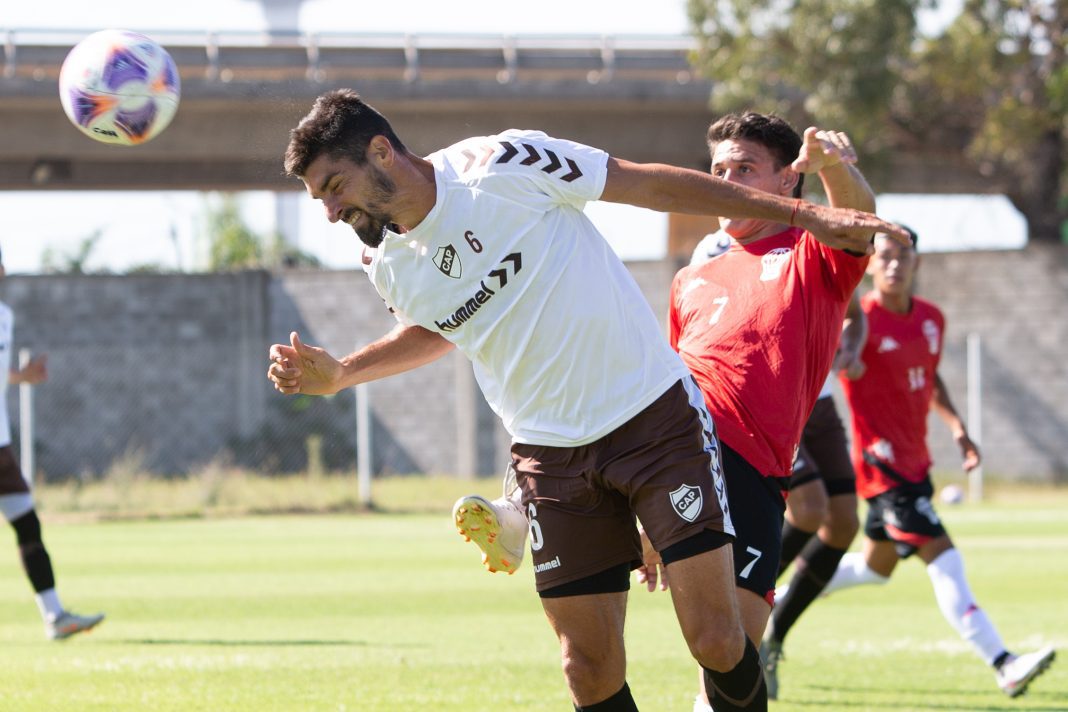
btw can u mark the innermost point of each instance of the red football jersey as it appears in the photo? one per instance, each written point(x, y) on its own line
point(889, 403)
point(758, 327)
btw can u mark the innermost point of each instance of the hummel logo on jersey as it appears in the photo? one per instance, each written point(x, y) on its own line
point(546, 566)
point(530, 157)
point(448, 261)
point(466, 311)
point(687, 502)
point(888, 344)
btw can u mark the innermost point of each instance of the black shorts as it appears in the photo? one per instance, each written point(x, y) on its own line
point(823, 453)
point(905, 516)
point(662, 466)
point(757, 506)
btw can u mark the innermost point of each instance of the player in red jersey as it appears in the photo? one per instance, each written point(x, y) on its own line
point(758, 326)
point(889, 405)
point(821, 510)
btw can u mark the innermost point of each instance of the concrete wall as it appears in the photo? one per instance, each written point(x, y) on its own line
point(167, 372)
point(1017, 302)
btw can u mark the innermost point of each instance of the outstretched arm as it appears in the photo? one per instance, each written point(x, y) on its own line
point(854, 337)
point(36, 371)
point(299, 368)
point(680, 190)
point(942, 405)
point(832, 156)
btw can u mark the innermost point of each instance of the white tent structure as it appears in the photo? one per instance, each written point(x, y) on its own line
point(957, 223)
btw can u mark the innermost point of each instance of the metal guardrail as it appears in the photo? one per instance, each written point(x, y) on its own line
point(321, 57)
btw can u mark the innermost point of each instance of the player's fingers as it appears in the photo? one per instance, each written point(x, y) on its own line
point(826, 141)
point(280, 352)
point(894, 232)
point(846, 146)
point(645, 578)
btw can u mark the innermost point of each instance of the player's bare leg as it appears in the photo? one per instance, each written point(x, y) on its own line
point(714, 622)
point(590, 631)
point(806, 510)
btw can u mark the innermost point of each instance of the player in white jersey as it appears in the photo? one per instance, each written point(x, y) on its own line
point(483, 246)
point(16, 499)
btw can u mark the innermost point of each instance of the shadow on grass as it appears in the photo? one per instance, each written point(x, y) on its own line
point(931, 701)
point(241, 643)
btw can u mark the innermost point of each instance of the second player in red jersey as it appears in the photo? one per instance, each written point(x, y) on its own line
point(890, 403)
point(758, 327)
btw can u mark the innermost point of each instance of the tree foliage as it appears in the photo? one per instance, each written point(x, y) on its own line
point(71, 262)
point(233, 245)
point(988, 90)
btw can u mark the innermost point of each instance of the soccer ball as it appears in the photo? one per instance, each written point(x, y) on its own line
point(119, 87)
point(952, 494)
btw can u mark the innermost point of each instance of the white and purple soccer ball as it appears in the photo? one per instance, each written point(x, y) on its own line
point(952, 494)
point(119, 87)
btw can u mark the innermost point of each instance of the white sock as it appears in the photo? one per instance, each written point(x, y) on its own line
point(49, 605)
point(853, 571)
point(699, 705)
point(959, 608)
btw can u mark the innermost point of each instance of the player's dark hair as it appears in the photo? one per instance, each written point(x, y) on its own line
point(912, 234)
point(913, 237)
point(769, 131)
point(341, 125)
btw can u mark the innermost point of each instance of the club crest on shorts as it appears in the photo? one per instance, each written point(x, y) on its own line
point(687, 502)
point(447, 259)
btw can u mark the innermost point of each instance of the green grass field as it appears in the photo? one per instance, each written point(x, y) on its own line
point(393, 612)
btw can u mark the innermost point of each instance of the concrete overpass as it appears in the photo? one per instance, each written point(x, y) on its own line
point(635, 96)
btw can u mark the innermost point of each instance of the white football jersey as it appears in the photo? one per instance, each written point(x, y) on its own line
point(507, 267)
point(7, 324)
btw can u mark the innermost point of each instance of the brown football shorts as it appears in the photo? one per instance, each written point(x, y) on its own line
point(11, 479)
point(823, 452)
point(662, 466)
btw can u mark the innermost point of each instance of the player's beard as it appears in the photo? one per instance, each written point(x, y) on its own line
point(376, 219)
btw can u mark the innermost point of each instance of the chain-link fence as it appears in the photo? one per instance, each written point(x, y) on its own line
point(166, 374)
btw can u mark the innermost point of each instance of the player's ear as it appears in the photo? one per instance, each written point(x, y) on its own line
point(788, 178)
point(381, 150)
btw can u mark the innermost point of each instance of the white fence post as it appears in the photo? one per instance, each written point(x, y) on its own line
point(975, 411)
point(363, 444)
point(26, 434)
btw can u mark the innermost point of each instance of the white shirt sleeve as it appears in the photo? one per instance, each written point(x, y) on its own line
point(555, 170)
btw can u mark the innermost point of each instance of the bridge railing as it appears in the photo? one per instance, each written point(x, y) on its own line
point(326, 57)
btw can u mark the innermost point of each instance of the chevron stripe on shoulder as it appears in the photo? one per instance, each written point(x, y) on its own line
point(532, 156)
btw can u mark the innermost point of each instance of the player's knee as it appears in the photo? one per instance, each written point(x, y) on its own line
point(840, 527)
point(718, 645)
point(593, 672)
point(807, 514)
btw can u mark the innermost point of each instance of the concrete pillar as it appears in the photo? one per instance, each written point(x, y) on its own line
point(468, 397)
